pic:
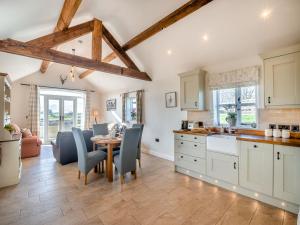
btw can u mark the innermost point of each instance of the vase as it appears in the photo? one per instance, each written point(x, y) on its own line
point(231, 121)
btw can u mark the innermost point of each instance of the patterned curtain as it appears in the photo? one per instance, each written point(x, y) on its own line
point(33, 110)
point(236, 78)
point(87, 121)
point(124, 99)
point(139, 106)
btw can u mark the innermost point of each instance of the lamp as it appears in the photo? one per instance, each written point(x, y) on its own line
point(95, 114)
point(72, 72)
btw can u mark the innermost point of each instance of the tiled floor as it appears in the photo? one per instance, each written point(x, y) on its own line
point(52, 194)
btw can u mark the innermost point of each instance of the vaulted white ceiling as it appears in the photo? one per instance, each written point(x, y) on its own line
point(234, 28)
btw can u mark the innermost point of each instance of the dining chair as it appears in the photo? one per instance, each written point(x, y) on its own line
point(138, 156)
point(86, 160)
point(126, 161)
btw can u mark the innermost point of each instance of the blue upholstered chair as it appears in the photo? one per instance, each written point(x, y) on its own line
point(138, 156)
point(126, 161)
point(86, 160)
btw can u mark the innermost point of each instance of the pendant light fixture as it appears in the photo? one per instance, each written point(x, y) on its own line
point(72, 71)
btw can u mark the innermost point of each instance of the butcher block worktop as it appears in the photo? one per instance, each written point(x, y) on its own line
point(295, 142)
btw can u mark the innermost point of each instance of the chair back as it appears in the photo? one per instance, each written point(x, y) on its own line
point(100, 129)
point(141, 126)
point(81, 148)
point(128, 150)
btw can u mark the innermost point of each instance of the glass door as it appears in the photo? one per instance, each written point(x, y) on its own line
point(68, 114)
point(53, 118)
point(60, 116)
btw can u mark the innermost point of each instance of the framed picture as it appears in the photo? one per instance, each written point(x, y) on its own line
point(111, 104)
point(171, 99)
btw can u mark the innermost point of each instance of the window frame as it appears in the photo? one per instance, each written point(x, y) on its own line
point(238, 105)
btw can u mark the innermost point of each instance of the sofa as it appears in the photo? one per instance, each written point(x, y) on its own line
point(30, 146)
point(64, 148)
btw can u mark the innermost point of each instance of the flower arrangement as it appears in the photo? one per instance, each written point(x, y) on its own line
point(9, 128)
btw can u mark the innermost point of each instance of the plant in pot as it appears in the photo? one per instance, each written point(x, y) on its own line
point(231, 119)
point(9, 128)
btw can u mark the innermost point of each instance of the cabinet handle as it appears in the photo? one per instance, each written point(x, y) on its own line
point(181, 143)
point(278, 155)
point(181, 156)
point(181, 136)
point(195, 160)
point(195, 145)
point(195, 138)
point(255, 146)
point(269, 100)
point(234, 165)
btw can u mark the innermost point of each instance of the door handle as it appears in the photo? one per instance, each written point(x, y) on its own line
point(278, 155)
point(234, 165)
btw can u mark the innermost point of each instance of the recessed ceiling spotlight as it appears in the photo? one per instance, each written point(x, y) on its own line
point(205, 37)
point(265, 14)
point(169, 52)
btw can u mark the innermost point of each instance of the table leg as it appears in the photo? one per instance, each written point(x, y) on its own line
point(109, 162)
point(94, 149)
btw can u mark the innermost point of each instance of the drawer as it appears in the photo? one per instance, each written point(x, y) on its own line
point(190, 163)
point(189, 137)
point(195, 149)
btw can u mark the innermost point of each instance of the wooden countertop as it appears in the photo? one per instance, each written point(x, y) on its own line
point(190, 132)
point(294, 142)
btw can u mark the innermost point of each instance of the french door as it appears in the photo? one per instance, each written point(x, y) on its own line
point(60, 115)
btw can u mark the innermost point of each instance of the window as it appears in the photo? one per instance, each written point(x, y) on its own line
point(131, 109)
point(241, 100)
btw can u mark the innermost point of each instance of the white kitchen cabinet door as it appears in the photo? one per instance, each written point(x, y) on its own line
point(190, 163)
point(282, 80)
point(287, 173)
point(223, 167)
point(192, 88)
point(256, 167)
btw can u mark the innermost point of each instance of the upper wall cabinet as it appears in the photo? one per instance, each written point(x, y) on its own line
point(192, 90)
point(282, 78)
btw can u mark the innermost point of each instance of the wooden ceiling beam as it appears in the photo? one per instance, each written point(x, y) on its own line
point(183, 11)
point(60, 37)
point(97, 40)
point(67, 13)
point(24, 49)
point(117, 49)
point(188, 8)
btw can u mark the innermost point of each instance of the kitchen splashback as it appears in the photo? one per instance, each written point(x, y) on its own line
point(266, 117)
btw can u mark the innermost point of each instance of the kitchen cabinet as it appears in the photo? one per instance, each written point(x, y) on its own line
point(282, 79)
point(10, 162)
point(256, 167)
point(287, 173)
point(190, 152)
point(192, 90)
point(223, 167)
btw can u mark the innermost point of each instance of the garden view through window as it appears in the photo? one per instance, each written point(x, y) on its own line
point(240, 101)
point(60, 110)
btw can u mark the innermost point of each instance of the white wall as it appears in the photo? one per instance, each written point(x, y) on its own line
point(20, 93)
point(159, 120)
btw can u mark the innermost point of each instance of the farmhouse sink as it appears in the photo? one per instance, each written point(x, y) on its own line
point(226, 144)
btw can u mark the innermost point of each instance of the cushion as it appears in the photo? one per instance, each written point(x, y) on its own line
point(26, 133)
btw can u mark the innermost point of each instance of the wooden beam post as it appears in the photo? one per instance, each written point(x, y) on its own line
point(24, 49)
point(67, 13)
point(97, 41)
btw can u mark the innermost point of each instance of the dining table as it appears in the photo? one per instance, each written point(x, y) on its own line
point(111, 143)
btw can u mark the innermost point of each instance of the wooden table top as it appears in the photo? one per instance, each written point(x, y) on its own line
point(104, 140)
